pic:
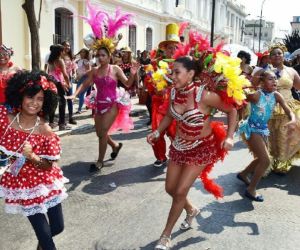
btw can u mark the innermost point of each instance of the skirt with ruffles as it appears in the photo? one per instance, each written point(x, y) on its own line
point(282, 146)
point(207, 153)
point(123, 120)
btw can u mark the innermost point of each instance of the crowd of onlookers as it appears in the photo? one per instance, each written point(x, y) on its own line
point(69, 69)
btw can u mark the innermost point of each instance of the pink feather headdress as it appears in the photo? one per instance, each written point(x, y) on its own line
point(106, 26)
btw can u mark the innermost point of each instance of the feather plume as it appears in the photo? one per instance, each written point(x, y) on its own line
point(182, 27)
point(219, 47)
point(118, 21)
point(196, 38)
point(96, 19)
point(182, 50)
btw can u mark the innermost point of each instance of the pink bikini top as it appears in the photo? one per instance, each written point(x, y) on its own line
point(106, 86)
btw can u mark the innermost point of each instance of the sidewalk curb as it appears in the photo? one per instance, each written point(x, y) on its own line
point(76, 130)
point(137, 110)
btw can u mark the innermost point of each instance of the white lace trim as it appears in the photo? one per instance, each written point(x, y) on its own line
point(31, 193)
point(36, 208)
point(16, 154)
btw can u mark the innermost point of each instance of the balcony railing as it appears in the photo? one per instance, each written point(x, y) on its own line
point(58, 39)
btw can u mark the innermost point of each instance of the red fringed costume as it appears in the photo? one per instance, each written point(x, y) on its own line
point(188, 148)
point(160, 106)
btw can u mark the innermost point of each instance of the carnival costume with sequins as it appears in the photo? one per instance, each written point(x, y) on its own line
point(188, 148)
point(282, 147)
point(260, 114)
point(33, 190)
point(107, 95)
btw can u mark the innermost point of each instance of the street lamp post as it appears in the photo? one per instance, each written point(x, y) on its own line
point(254, 34)
point(243, 28)
point(212, 30)
point(260, 24)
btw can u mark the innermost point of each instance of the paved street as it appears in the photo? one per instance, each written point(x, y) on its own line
point(125, 206)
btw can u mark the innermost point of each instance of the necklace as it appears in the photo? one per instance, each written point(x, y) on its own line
point(37, 122)
point(180, 96)
point(21, 146)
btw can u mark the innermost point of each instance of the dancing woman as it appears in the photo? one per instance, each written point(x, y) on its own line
point(111, 114)
point(112, 105)
point(32, 183)
point(198, 143)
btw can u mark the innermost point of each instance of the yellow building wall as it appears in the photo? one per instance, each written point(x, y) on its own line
point(15, 31)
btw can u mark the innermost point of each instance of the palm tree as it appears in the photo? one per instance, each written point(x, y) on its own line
point(292, 42)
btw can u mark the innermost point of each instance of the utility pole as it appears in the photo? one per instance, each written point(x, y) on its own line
point(242, 33)
point(212, 30)
point(260, 24)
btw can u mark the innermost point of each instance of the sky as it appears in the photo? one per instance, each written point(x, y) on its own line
point(280, 12)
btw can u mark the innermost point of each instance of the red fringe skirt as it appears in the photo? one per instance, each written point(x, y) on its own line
point(207, 153)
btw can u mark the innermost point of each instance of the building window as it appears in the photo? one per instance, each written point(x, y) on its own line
point(132, 38)
point(148, 39)
point(63, 26)
point(266, 34)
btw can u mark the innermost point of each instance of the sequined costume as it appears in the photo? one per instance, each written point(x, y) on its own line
point(188, 148)
point(108, 95)
point(260, 114)
point(283, 148)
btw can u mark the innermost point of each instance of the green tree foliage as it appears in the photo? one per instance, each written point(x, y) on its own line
point(292, 42)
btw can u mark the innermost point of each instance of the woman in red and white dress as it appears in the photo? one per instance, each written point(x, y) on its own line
point(7, 69)
point(32, 183)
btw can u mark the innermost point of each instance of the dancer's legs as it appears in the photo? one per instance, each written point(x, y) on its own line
point(103, 123)
point(259, 148)
point(178, 183)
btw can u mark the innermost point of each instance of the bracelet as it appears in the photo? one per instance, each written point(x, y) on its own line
point(39, 162)
point(156, 134)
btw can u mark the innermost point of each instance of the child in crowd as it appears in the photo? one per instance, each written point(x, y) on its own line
point(255, 129)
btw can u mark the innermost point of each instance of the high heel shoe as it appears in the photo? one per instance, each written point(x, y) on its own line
point(164, 243)
point(187, 223)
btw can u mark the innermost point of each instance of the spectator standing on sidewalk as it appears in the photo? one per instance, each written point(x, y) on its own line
point(143, 91)
point(68, 58)
point(126, 64)
point(57, 69)
point(83, 66)
point(7, 69)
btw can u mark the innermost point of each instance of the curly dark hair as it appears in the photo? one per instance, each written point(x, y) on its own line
point(244, 54)
point(18, 87)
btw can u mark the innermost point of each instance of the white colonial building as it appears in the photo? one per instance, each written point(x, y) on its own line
point(251, 32)
point(59, 21)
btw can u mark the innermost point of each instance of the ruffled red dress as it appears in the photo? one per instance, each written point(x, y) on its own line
point(33, 190)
